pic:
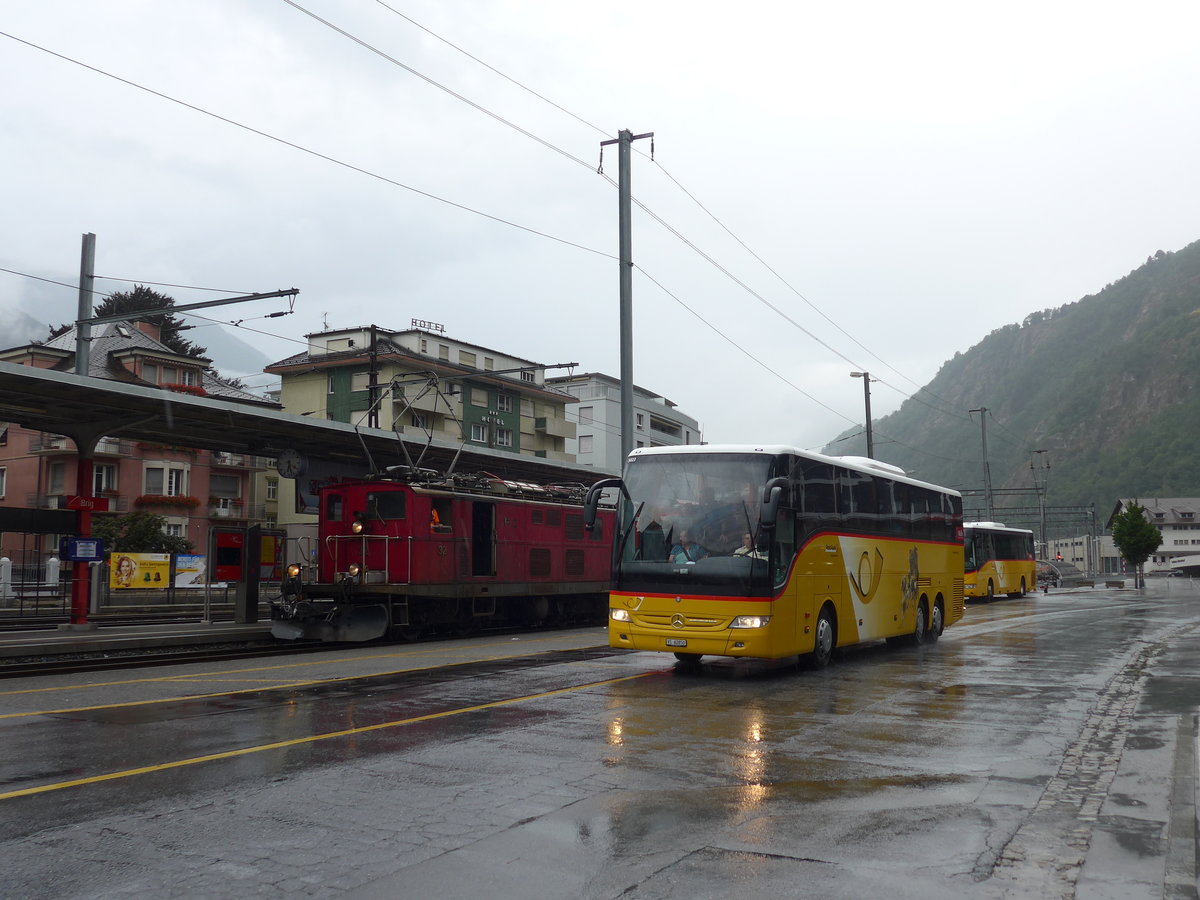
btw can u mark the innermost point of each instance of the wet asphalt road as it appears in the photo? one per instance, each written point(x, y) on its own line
point(1045, 747)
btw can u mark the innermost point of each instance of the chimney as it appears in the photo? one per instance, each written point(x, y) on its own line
point(150, 329)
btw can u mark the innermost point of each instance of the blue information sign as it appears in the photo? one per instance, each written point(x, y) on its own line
point(82, 549)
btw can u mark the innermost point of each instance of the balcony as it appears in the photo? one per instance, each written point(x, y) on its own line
point(417, 402)
point(554, 427)
point(231, 460)
point(226, 509)
point(115, 447)
point(51, 443)
point(177, 503)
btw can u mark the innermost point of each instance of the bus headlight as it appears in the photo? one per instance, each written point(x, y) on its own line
point(749, 621)
point(619, 615)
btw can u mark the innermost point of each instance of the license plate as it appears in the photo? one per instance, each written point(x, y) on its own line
point(676, 642)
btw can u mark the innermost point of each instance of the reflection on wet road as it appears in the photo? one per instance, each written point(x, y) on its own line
point(1034, 751)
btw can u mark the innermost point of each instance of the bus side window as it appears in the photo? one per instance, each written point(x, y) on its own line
point(816, 497)
point(922, 515)
point(893, 507)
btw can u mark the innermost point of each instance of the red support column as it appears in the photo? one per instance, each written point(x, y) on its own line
point(81, 581)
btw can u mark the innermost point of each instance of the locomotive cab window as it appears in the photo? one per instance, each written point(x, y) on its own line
point(386, 505)
point(440, 518)
point(333, 507)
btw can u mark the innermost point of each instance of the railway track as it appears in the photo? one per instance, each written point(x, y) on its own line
point(105, 660)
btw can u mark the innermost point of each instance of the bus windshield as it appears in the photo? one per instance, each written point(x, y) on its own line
point(693, 515)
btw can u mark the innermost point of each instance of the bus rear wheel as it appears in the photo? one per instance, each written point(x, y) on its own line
point(938, 623)
point(920, 633)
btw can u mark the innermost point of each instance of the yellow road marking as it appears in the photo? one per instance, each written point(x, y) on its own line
point(440, 651)
point(264, 687)
point(268, 686)
point(279, 745)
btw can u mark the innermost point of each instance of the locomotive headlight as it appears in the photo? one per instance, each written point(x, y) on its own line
point(353, 569)
point(356, 526)
point(619, 615)
point(293, 570)
point(749, 621)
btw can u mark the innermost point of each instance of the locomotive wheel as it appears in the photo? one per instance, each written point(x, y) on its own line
point(465, 624)
point(410, 632)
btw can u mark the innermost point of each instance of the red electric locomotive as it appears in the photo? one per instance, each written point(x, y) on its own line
point(416, 552)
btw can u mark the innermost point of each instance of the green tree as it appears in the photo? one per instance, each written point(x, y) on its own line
point(142, 298)
point(1135, 538)
point(138, 532)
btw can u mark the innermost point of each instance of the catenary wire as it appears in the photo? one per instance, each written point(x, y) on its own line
point(949, 404)
point(427, 194)
point(315, 153)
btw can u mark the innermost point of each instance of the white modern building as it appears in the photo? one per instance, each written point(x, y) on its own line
point(596, 413)
point(1178, 518)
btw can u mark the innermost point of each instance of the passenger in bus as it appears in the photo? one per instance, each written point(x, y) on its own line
point(747, 548)
point(687, 550)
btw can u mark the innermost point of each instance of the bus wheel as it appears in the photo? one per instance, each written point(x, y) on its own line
point(991, 595)
point(1024, 590)
point(824, 641)
point(920, 633)
point(938, 623)
point(689, 659)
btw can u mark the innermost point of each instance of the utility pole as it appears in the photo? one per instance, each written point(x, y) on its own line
point(624, 140)
point(373, 382)
point(87, 434)
point(987, 471)
point(866, 377)
point(1040, 485)
point(87, 280)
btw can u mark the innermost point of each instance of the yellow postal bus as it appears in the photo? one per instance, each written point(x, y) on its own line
point(998, 560)
point(771, 551)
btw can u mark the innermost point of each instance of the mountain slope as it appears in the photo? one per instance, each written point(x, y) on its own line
point(1107, 386)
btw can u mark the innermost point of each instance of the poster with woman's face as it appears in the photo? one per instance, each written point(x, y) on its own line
point(138, 570)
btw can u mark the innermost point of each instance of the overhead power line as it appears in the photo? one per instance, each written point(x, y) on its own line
point(465, 208)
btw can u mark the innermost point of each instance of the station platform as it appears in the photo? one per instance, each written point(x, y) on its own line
point(100, 638)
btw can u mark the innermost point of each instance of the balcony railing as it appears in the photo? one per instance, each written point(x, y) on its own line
point(41, 443)
point(554, 427)
point(231, 460)
point(115, 447)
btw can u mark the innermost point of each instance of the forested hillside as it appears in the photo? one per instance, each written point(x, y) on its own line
point(1106, 385)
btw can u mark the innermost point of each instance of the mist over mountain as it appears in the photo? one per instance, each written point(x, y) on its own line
point(231, 356)
point(1105, 386)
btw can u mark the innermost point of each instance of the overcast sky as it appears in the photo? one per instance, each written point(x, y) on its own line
point(835, 187)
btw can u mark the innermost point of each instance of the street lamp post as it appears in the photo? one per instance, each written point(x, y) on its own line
point(866, 377)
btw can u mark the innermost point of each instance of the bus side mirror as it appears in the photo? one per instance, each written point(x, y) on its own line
point(772, 497)
point(592, 501)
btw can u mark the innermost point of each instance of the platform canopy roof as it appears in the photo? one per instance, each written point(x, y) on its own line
point(85, 408)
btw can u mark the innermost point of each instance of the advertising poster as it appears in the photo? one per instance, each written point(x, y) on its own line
point(190, 570)
point(138, 570)
point(270, 557)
